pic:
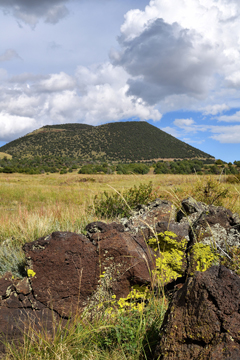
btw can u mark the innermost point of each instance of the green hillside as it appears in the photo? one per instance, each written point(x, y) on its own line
point(120, 141)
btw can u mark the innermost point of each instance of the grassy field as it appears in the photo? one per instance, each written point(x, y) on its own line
point(32, 206)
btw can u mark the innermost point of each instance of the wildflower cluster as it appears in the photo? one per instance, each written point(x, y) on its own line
point(169, 254)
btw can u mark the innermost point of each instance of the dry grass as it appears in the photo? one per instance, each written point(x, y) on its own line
point(32, 206)
point(2, 155)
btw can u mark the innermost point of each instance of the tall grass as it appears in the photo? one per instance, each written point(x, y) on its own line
point(34, 206)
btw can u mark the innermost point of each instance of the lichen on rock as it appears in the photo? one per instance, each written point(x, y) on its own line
point(170, 256)
point(202, 257)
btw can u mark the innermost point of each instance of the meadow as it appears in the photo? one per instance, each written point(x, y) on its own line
point(32, 206)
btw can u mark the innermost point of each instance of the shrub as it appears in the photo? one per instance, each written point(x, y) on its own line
point(210, 192)
point(233, 179)
point(122, 204)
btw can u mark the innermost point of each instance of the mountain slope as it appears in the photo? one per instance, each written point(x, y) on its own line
point(120, 141)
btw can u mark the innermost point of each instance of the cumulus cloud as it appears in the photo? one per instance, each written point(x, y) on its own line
point(166, 59)
point(222, 134)
point(172, 131)
point(215, 109)
point(8, 55)
point(14, 126)
point(30, 11)
point(226, 134)
point(230, 118)
point(178, 47)
point(183, 122)
point(57, 82)
point(93, 96)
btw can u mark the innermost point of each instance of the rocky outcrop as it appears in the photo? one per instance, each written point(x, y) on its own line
point(67, 266)
point(203, 320)
point(66, 271)
point(19, 309)
point(146, 219)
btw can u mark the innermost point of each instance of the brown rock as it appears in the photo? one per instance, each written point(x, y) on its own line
point(146, 219)
point(23, 287)
point(131, 257)
point(67, 270)
point(203, 320)
point(15, 321)
point(6, 285)
point(68, 266)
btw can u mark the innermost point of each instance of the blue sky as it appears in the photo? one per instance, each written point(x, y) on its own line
point(173, 63)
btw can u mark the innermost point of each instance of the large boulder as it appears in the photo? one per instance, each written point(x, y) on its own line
point(68, 272)
point(67, 267)
point(19, 309)
point(147, 217)
point(209, 224)
point(203, 320)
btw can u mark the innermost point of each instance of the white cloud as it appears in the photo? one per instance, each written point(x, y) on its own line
point(226, 134)
point(233, 80)
point(215, 109)
point(183, 122)
point(57, 82)
point(230, 118)
point(172, 131)
point(91, 96)
point(14, 126)
point(181, 48)
point(191, 141)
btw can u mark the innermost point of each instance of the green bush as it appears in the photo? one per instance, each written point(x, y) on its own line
point(210, 191)
point(121, 204)
point(233, 179)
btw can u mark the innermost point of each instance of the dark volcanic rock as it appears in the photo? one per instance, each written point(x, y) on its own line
point(68, 265)
point(67, 270)
point(19, 309)
point(203, 320)
point(146, 219)
point(64, 273)
point(210, 225)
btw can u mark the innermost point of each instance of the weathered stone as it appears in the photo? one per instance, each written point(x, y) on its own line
point(6, 285)
point(67, 270)
point(190, 206)
point(216, 227)
point(131, 257)
point(181, 230)
point(145, 220)
point(23, 287)
point(14, 322)
point(67, 266)
point(203, 320)
point(99, 226)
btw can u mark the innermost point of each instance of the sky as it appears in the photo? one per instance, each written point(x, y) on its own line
point(172, 63)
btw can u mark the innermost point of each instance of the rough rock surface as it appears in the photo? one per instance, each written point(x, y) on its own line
point(63, 274)
point(147, 217)
point(210, 225)
point(68, 265)
point(203, 320)
point(65, 269)
point(17, 307)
